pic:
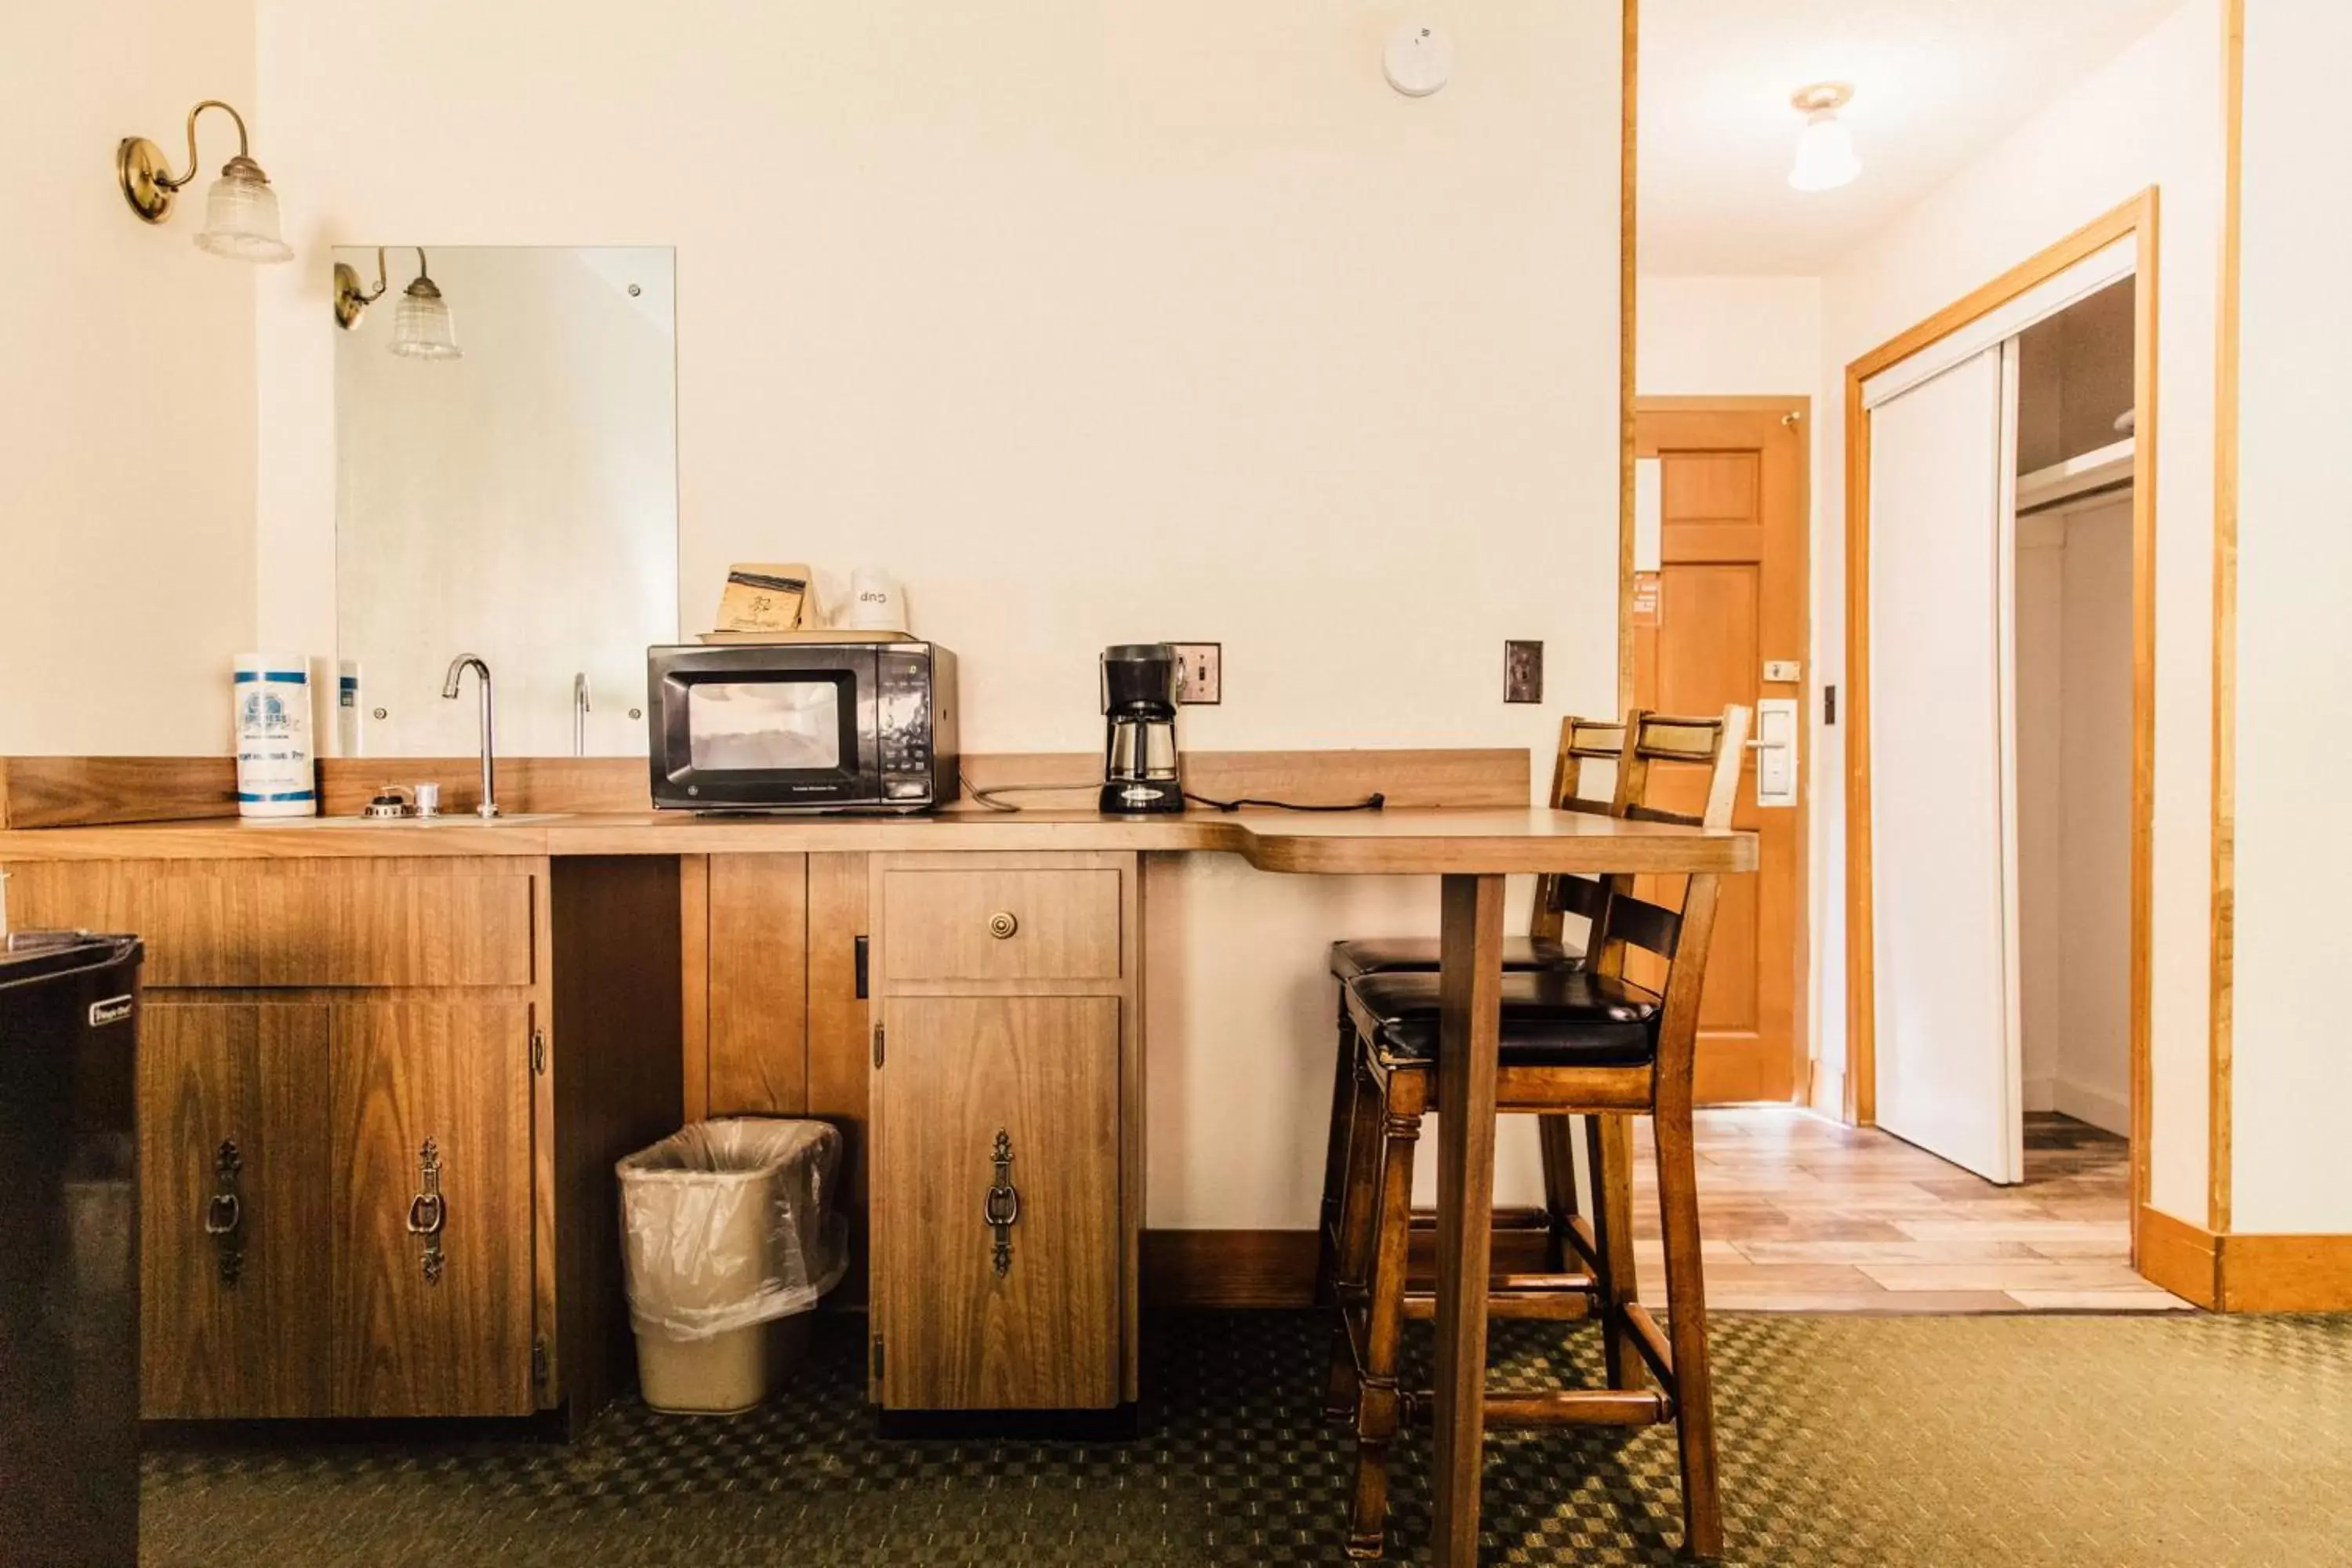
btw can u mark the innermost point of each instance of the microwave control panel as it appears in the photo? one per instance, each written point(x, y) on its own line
point(905, 736)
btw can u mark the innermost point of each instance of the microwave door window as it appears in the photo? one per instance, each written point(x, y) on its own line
point(764, 726)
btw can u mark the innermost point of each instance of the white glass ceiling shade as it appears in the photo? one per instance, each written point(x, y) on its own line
point(1825, 157)
point(241, 215)
point(421, 328)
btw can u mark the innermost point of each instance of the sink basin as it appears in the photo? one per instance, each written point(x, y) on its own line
point(426, 824)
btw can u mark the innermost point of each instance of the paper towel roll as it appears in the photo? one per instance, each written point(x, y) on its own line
point(274, 773)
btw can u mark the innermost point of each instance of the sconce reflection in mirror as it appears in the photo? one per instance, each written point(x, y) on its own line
point(421, 328)
point(240, 210)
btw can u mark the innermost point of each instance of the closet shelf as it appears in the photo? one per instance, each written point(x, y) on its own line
point(2101, 468)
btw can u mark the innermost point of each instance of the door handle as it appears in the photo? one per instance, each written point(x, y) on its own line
point(427, 1211)
point(1775, 746)
point(1002, 1209)
point(224, 1212)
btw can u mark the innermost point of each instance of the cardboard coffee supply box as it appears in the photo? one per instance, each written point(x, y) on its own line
point(761, 597)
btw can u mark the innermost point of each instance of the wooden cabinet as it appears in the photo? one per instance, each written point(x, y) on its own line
point(234, 1235)
point(377, 1126)
point(1006, 1191)
point(430, 1125)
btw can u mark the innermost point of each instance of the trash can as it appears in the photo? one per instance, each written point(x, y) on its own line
point(727, 1241)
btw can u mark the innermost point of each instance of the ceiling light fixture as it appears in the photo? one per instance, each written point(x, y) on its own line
point(1825, 157)
point(240, 210)
point(421, 327)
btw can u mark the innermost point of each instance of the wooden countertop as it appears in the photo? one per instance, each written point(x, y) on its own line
point(1396, 841)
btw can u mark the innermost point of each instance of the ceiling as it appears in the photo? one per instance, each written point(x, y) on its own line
point(1935, 82)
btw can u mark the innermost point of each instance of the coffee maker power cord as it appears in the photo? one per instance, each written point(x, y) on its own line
point(987, 798)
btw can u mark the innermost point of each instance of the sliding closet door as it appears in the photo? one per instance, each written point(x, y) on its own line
point(1948, 1043)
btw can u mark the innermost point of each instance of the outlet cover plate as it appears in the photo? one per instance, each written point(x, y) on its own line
point(1200, 673)
point(1522, 670)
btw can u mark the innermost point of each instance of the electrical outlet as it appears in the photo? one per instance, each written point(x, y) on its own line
point(1200, 676)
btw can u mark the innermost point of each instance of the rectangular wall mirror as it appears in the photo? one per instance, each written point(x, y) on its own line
point(517, 500)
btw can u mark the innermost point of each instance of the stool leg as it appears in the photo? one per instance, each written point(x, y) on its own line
point(1334, 1156)
point(1686, 1328)
point(1351, 1248)
point(1609, 1144)
point(1556, 1137)
point(1377, 1408)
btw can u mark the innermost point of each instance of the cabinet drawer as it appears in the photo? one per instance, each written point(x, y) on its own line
point(1002, 923)
point(297, 923)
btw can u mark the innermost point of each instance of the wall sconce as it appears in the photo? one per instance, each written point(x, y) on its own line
point(421, 327)
point(240, 210)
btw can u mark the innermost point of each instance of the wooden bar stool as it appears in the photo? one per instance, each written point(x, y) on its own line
point(1355, 1133)
point(1582, 1041)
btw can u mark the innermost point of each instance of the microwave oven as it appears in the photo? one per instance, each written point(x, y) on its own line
point(802, 726)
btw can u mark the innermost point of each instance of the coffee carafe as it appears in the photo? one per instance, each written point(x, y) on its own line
point(1138, 701)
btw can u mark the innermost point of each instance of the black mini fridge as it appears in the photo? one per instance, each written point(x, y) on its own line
point(69, 1250)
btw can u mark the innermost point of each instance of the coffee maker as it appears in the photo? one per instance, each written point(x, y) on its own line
point(1138, 701)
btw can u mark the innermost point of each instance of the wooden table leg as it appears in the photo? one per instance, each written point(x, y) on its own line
point(1470, 1015)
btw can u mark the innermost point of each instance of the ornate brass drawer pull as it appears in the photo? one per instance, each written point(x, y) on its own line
point(427, 1211)
point(225, 1214)
point(1001, 924)
point(1003, 1209)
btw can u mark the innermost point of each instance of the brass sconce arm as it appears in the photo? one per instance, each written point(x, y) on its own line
point(148, 183)
point(353, 298)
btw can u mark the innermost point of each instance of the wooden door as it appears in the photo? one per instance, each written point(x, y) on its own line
point(963, 1326)
point(438, 1323)
point(759, 991)
point(1728, 596)
point(234, 1289)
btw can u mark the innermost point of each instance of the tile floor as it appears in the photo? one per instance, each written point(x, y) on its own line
point(1802, 1215)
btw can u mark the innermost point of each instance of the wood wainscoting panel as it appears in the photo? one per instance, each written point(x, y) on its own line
point(533, 784)
point(1460, 778)
point(758, 1004)
point(443, 921)
point(234, 1323)
point(79, 792)
point(453, 1339)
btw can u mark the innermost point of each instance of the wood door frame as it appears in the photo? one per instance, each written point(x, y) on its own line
point(1798, 408)
point(2137, 218)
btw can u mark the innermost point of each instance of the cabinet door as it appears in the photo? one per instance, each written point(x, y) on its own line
point(432, 1298)
point(964, 1326)
point(233, 1241)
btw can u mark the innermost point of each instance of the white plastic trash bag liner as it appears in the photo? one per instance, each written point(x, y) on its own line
point(726, 1224)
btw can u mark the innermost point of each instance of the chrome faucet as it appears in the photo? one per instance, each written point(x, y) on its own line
point(580, 714)
point(458, 668)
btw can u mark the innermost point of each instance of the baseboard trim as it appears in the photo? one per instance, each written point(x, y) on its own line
point(2263, 1273)
point(2243, 1271)
point(2107, 1112)
point(1200, 1269)
point(2182, 1258)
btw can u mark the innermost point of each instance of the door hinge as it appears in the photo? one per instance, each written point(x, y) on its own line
point(538, 1365)
point(538, 1052)
point(877, 1358)
point(877, 1044)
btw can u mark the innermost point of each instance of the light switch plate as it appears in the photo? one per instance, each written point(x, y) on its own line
point(1522, 670)
point(1200, 673)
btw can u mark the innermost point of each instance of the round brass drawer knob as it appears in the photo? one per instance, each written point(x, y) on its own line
point(1001, 925)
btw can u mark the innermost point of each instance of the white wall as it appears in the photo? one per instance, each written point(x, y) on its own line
point(2041, 600)
point(1094, 326)
point(2293, 1072)
point(2153, 116)
point(127, 469)
point(1727, 336)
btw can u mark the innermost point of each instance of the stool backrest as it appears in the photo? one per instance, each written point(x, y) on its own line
point(1679, 937)
point(1560, 894)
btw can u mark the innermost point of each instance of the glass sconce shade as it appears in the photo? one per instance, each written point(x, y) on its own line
point(421, 328)
point(241, 215)
point(1826, 156)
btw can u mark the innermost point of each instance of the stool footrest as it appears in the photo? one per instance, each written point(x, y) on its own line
point(1651, 1340)
point(1563, 1407)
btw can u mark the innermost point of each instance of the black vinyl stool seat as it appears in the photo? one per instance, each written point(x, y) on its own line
point(1389, 955)
point(1550, 1019)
